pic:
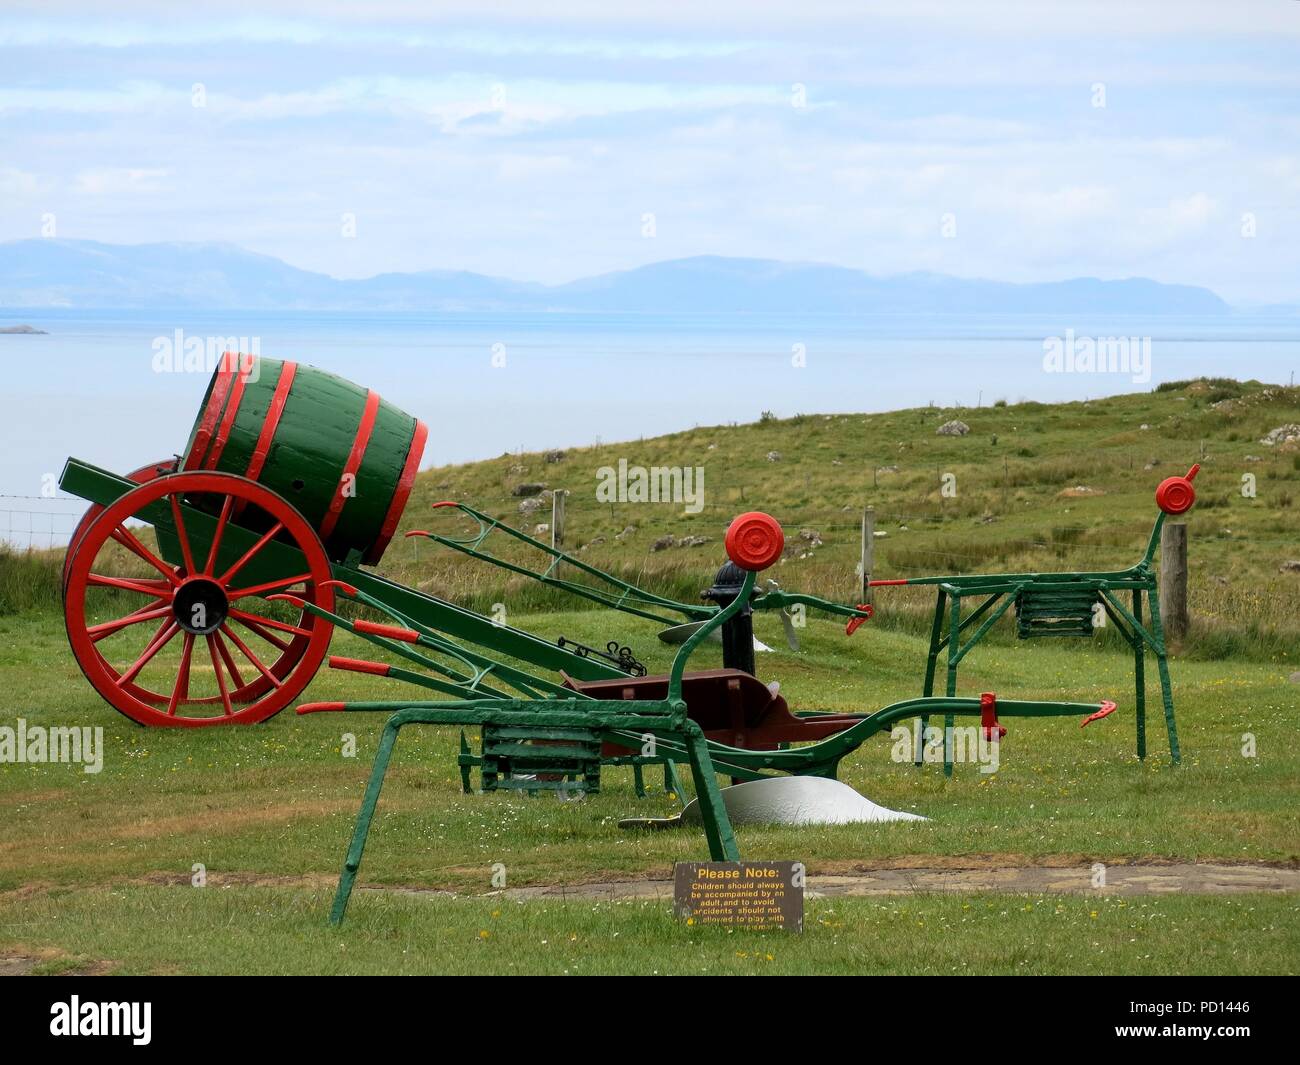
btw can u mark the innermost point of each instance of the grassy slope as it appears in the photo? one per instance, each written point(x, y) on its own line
point(1008, 514)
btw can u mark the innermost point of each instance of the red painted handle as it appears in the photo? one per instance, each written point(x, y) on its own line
point(322, 708)
point(886, 584)
point(854, 624)
point(360, 665)
point(391, 632)
point(1107, 708)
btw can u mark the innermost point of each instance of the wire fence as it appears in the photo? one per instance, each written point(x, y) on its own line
point(25, 526)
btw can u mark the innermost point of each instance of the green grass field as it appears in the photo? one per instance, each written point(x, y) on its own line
point(95, 870)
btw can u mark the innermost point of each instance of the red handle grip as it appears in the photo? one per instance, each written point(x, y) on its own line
point(322, 708)
point(1107, 708)
point(854, 624)
point(390, 632)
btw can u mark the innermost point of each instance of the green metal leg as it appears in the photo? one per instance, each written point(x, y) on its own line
point(1140, 676)
point(465, 769)
point(954, 648)
point(362, 829)
point(1166, 688)
point(717, 825)
point(638, 780)
point(931, 663)
point(672, 782)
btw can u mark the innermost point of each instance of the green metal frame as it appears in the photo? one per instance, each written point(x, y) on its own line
point(1040, 598)
point(665, 719)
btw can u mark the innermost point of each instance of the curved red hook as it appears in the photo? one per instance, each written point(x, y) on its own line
point(868, 612)
point(1107, 708)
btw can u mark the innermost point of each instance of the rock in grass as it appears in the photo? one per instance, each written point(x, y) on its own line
point(953, 428)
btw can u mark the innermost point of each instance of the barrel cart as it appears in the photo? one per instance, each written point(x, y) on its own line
point(203, 591)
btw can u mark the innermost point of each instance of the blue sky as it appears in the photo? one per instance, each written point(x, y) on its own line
point(958, 137)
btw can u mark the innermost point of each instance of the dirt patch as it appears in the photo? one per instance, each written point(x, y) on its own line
point(221, 820)
point(23, 961)
point(1153, 878)
point(309, 881)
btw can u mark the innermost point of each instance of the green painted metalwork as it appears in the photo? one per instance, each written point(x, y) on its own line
point(822, 759)
point(666, 720)
point(1055, 605)
point(618, 594)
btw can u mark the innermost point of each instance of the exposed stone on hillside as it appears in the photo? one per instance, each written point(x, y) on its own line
point(953, 428)
point(1283, 434)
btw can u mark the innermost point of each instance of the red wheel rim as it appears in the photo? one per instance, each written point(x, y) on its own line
point(141, 476)
point(755, 541)
point(194, 651)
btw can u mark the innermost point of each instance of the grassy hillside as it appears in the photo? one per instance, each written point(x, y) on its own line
point(1038, 486)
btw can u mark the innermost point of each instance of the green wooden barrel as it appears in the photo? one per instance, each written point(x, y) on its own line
point(343, 456)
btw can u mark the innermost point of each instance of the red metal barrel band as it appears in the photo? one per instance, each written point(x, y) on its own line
point(211, 415)
point(402, 495)
point(272, 421)
point(364, 432)
point(239, 382)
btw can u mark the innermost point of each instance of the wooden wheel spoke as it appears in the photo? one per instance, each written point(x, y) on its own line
point(150, 652)
point(270, 623)
point(229, 659)
point(269, 637)
point(226, 705)
point(222, 522)
point(124, 536)
point(271, 534)
point(107, 628)
point(158, 589)
point(182, 690)
point(261, 668)
point(182, 534)
point(270, 586)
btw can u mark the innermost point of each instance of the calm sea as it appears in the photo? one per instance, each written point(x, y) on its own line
point(491, 383)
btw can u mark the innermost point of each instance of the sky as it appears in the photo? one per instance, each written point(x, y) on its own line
point(1021, 141)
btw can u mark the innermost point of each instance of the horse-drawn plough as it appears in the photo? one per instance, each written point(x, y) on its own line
point(260, 538)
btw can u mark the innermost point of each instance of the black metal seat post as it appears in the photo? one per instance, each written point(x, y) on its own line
point(738, 632)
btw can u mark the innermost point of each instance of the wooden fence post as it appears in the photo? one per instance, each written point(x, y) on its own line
point(868, 558)
point(557, 517)
point(1173, 581)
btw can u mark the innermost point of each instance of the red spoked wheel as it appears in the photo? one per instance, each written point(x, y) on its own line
point(143, 475)
point(188, 645)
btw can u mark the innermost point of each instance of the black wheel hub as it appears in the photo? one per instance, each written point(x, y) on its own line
point(200, 606)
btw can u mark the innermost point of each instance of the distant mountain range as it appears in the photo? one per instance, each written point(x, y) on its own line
point(82, 273)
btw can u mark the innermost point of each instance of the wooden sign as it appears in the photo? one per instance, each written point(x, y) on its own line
point(762, 896)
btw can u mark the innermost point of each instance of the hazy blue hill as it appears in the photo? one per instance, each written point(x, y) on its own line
point(78, 273)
